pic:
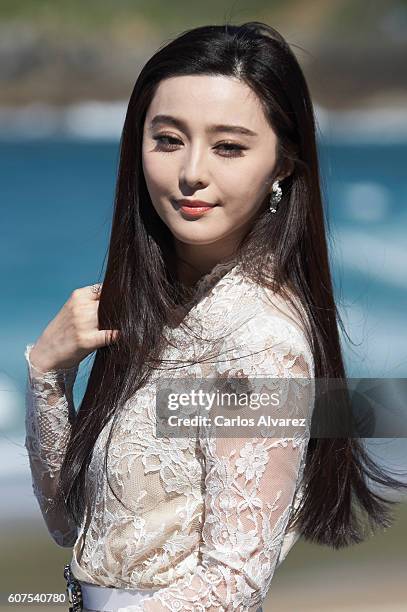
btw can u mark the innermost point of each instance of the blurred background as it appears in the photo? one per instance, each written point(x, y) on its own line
point(67, 70)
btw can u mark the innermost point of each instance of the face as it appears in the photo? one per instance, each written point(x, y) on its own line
point(186, 155)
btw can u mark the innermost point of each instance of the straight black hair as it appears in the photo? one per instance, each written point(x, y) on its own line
point(141, 288)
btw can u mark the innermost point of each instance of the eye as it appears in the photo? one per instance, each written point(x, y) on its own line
point(232, 149)
point(235, 150)
point(163, 146)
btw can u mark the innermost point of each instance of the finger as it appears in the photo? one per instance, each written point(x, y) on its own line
point(105, 336)
point(95, 290)
point(112, 335)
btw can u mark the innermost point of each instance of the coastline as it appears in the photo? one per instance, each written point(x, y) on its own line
point(96, 120)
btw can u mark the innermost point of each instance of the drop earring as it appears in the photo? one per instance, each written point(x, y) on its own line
point(275, 196)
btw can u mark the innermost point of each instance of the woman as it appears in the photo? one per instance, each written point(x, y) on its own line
point(238, 288)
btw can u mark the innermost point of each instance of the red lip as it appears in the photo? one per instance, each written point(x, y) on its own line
point(195, 203)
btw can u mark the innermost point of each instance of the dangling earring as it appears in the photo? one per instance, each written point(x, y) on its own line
point(275, 196)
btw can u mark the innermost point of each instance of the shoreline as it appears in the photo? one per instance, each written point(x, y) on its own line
point(96, 120)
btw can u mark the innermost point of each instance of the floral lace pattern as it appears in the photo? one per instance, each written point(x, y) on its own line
point(205, 517)
point(49, 413)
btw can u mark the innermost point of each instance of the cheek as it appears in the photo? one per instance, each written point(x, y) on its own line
point(158, 174)
point(247, 174)
point(246, 187)
point(150, 167)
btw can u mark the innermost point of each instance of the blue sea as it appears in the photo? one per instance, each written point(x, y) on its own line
point(57, 198)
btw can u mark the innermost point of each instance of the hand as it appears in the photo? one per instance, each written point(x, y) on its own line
point(73, 334)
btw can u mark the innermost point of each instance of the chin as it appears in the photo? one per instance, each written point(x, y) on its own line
point(192, 236)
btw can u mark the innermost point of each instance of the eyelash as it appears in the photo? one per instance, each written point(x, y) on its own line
point(236, 150)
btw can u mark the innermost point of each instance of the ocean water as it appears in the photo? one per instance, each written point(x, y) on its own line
point(57, 199)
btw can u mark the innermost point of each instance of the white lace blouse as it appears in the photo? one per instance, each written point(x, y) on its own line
point(205, 519)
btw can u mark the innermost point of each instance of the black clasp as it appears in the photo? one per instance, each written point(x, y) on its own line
point(74, 591)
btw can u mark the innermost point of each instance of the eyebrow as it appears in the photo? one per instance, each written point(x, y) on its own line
point(211, 129)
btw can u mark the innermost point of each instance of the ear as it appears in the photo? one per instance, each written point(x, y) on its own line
point(287, 170)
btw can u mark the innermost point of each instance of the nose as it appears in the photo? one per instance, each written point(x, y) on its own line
point(194, 171)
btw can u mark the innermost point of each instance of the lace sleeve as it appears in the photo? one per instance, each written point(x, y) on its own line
point(49, 414)
point(250, 481)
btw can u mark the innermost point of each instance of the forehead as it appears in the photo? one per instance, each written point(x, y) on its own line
point(207, 98)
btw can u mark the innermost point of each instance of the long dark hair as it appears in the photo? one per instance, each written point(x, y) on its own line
point(141, 270)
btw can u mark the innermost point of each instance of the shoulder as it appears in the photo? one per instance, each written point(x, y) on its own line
point(244, 315)
point(255, 317)
point(272, 338)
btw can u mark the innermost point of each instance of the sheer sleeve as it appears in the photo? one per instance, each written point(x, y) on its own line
point(49, 413)
point(250, 482)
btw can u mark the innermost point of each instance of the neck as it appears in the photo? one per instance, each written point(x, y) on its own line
point(194, 261)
